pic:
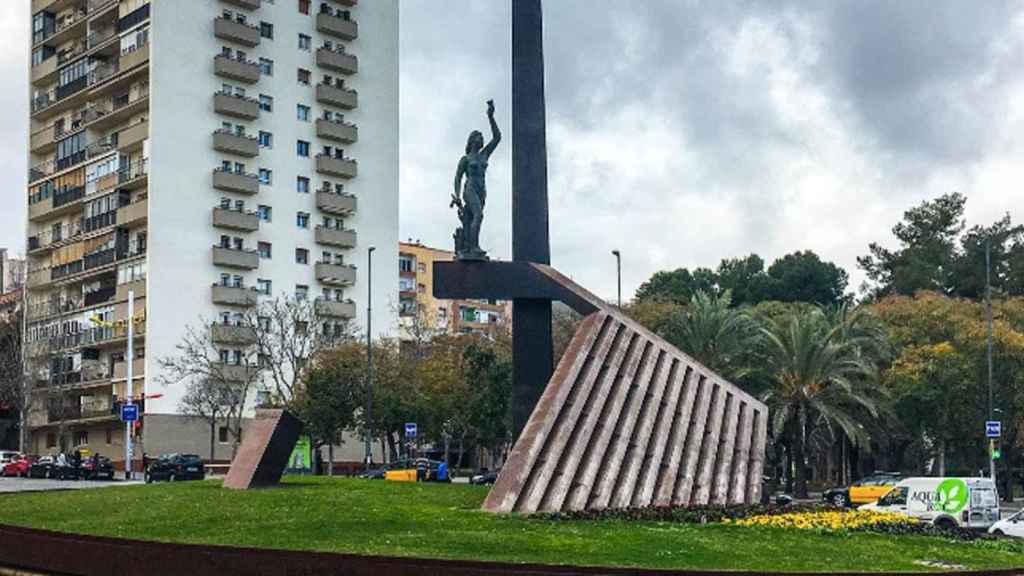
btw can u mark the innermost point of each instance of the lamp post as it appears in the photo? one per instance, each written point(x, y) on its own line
point(618, 273)
point(369, 354)
point(988, 354)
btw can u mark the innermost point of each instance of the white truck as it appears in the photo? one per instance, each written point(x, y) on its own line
point(944, 502)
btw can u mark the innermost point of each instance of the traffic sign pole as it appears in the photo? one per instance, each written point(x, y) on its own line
point(129, 365)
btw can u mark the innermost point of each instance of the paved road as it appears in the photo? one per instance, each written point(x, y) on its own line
point(14, 485)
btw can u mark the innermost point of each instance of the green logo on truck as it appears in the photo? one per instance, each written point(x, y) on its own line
point(951, 496)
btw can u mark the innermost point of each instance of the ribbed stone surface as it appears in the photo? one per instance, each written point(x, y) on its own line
point(628, 420)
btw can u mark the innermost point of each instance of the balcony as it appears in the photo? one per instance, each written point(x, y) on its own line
point(133, 214)
point(240, 183)
point(337, 96)
point(133, 136)
point(240, 70)
point(337, 61)
point(232, 335)
point(337, 131)
point(339, 238)
point(138, 370)
point(247, 4)
point(43, 140)
point(340, 167)
point(234, 143)
point(133, 175)
point(337, 26)
point(237, 32)
point(236, 106)
point(334, 309)
point(235, 220)
point(231, 258)
point(233, 372)
point(340, 204)
point(44, 68)
point(335, 274)
point(134, 59)
point(137, 288)
point(58, 204)
point(234, 296)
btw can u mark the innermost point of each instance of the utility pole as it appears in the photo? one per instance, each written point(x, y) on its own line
point(129, 361)
point(988, 319)
point(369, 355)
point(618, 274)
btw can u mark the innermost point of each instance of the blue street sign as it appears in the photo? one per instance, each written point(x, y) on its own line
point(129, 412)
point(410, 430)
point(993, 429)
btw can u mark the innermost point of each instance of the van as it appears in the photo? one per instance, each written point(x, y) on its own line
point(944, 502)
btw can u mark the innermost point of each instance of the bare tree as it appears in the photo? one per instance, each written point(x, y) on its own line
point(14, 385)
point(289, 333)
point(215, 376)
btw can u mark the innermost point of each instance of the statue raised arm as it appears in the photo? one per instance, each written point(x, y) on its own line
point(471, 177)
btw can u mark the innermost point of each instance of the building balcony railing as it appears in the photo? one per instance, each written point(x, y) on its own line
point(232, 258)
point(133, 214)
point(334, 237)
point(136, 287)
point(227, 372)
point(338, 24)
point(98, 148)
point(133, 173)
point(247, 4)
point(334, 166)
point(227, 295)
point(334, 203)
point(335, 308)
point(68, 21)
point(238, 182)
point(235, 219)
point(53, 236)
point(236, 106)
point(346, 132)
point(336, 274)
point(337, 61)
point(339, 96)
point(231, 142)
point(235, 69)
point(138, 369)
point(59, 202)
point(235, 31)
point(98, 37)
point(232, 334)
point(133, 136)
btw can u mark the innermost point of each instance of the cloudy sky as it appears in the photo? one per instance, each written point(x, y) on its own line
point(682, 132)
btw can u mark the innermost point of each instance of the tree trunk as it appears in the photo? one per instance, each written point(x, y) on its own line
point(462, 450)
point(330, 458)
point(447, 448)
point(213, 438)
point(942, 458)
point(799, 458)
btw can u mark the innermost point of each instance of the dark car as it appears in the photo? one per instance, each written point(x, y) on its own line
point(66, 471)
point(41, 468)
point(176, 467)
point(485, 477)
point(98, 469)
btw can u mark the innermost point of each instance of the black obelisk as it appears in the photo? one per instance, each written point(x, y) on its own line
point(531, 319)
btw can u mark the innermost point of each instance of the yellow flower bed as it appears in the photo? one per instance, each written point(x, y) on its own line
point(833, 520)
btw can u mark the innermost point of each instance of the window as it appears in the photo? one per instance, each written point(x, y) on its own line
point(304, 76)
point(264, 248)
point(267, 30)
point(302, 185)
point(266, 176)
point(110, 436)
point(82, 438)
point(305, 42)
point(301, 293)
point(302, 220)
point(264, 286)
point(265, 213)
point(266, 103)
point(302, 112)
point(405, 264)
point(267, 66)
point(302, 148)
point(304, 7)
point(222, 435)
point(51, 440)
point(266, 139)
point(301, 256)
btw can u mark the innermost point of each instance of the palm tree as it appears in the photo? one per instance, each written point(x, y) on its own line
point(823, 365)
point(715, 334)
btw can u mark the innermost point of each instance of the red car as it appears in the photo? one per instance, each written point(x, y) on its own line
point(18, 467)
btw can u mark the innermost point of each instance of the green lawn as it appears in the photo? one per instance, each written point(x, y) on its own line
point(443, 521)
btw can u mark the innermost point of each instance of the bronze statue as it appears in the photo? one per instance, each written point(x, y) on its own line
point(473, 166)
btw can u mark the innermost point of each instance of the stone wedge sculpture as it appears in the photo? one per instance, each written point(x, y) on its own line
point(263, 455)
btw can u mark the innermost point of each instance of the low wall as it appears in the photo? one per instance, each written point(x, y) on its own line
point(25, 550)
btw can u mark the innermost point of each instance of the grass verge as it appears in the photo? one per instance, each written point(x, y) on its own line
point(444, 521)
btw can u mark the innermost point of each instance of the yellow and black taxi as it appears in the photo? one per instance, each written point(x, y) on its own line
point(864, 491)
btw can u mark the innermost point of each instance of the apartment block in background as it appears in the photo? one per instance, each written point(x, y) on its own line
point(201, 155)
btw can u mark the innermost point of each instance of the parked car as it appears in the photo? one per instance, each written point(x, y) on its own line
point(19, 467)
point(485, 477)
point(65, 470)
point(944, 502)
point(176, 467)
point(8, 456)
point(864, 491)
point(1012, 526)
point(41, 468)
point(99, 469)
point(422, 469)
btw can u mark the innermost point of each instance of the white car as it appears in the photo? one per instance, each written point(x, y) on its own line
point(1012, 526)
point(8, 456)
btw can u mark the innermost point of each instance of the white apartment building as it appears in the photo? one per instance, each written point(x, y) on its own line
point(203, 154)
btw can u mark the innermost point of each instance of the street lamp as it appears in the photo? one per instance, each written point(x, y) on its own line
point(369, 354)
point(618, 270)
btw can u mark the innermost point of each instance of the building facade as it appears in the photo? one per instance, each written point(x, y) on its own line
point(200, 155)
point(420, 311)
point(12, 272)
